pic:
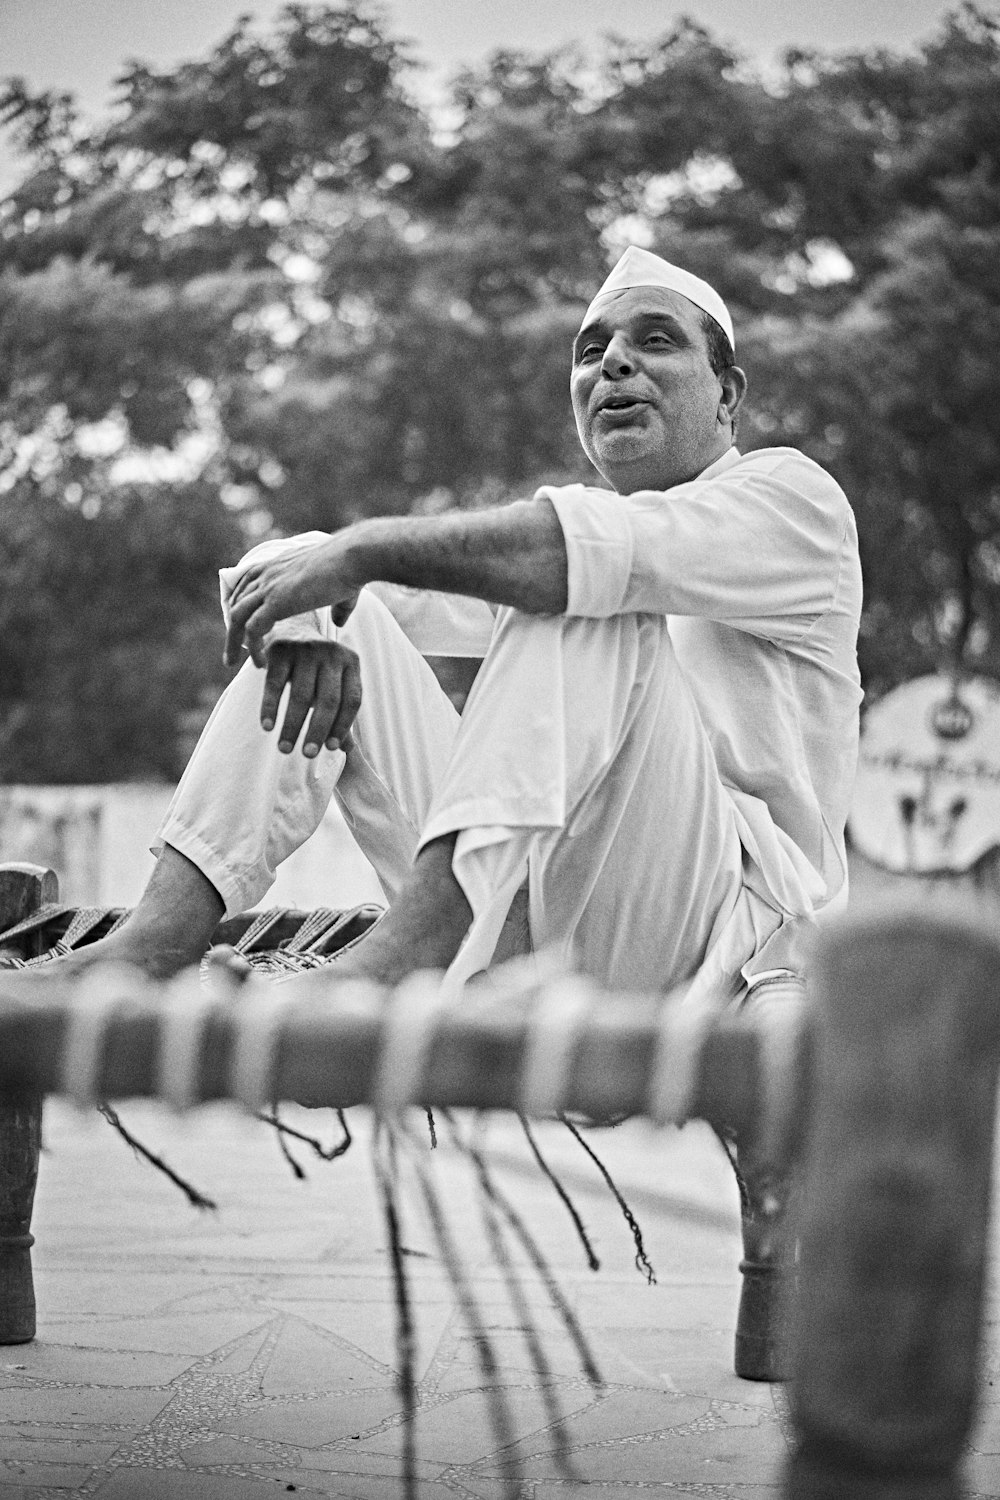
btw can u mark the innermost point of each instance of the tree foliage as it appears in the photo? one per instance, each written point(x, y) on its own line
point(270, 291)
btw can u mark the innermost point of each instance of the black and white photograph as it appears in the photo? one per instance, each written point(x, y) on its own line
point(499, 750)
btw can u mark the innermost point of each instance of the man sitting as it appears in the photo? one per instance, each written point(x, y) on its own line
point(653, 769)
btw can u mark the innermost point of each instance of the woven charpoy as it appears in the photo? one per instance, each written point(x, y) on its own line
point(83, 921)
point(313, 944)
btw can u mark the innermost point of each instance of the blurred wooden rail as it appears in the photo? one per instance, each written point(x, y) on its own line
point(886, 1093)
point(327, 1053)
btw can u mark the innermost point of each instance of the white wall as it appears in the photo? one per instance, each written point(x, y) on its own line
point(97, 840)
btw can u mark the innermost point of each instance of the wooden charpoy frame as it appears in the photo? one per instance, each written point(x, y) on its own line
point(881, 1094)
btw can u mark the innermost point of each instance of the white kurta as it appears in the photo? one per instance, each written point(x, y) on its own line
point(674, 788)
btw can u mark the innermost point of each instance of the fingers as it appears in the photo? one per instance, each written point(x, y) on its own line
point(279, 669)
point(341, 613)
point(243, 589)
point(324, 685)
point(301, 698)
point(350, 701)
point(338, 698)
point(249, 621)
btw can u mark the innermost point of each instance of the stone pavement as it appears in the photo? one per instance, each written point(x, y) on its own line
point(250, 1353)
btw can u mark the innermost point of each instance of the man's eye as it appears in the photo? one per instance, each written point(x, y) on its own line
point(658, 339)
point(590, 351)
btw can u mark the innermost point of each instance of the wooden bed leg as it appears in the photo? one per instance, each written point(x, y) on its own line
point(895, 1209)
point(20, 1141)
point(768, 1271)
point(23, 888)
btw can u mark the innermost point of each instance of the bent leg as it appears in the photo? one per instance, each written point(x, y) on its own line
point(582, 760)
point(242, 806)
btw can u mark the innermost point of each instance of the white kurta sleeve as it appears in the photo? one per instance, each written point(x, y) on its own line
point(757, 545)
point(435, 624)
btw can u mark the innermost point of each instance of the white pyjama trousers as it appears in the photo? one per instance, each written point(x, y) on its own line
point(580, 765)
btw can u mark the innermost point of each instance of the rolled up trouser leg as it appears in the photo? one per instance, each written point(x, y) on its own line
point(242, 807)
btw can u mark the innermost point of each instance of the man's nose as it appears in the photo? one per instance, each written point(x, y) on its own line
point(618, 361)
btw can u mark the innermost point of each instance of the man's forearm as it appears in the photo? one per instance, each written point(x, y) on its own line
point(514, 555)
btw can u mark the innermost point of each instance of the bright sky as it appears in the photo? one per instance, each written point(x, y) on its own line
point(80, 44)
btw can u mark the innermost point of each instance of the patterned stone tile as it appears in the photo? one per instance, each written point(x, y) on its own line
point(370, 1326)
point(458, 1430)
point(685, 1360)
point(669, 1305)
point(698, 1454)
point(312, 1423)
point(14, 1471)
point(231, 1360)
point(983, 1472)
point(176, 1484)
point(62, 1291)
point(189, 1335)
point(74, 1364)
point(628, 1415)
point(386, 1487)
point(81, 1405)
point(663, 1490)
point(345, 1458)
point(307, 1359)
point(52, 1445)
point(240, 1452)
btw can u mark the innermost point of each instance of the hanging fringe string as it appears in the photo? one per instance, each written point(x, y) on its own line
point(642, 1262)
point(384, 1156)
point(194, 1197)
point(497, 1404)
point(298, 1171)
point(729, 1147)
point(325, 1153)
point(432, 1128)
point(578, 1225)
point(541, 1369)
point(545, 1274)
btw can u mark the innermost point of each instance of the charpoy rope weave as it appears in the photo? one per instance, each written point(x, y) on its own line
point(407, 1033)
point(190, 1000)
point(657, 1055)
point(260, 1014)
point(100, 992)
point(554, 1030)
point(684, 1025)
point(82, 922)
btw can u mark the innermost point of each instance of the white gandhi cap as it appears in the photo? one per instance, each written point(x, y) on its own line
point(642, 268)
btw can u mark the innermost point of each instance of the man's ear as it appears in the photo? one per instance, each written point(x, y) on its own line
point(734, 388)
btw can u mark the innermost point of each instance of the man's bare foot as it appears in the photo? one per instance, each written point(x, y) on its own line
point(425, 927)
point(158, 954)
point(169, 930)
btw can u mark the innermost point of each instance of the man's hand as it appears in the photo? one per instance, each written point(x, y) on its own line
point(513, 555)
point(324, 677)
point(306, 579)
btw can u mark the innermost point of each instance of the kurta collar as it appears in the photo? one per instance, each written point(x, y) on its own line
point(731, 456)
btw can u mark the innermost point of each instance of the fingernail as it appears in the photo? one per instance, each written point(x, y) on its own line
point(310, 750)
point(284, 746)
point(333, 744)
point(267, 723)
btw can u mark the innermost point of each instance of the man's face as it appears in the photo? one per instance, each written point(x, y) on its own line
point(649, 410)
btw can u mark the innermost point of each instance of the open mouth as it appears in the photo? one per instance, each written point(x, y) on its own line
point(620, 406)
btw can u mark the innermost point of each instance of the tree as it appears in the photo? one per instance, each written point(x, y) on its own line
point(109, 630)
point(271, 275)
point(150, 294)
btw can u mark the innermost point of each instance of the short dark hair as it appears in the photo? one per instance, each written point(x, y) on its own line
point(721, 354)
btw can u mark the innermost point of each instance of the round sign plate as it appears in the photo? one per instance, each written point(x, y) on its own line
point(927, 796)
